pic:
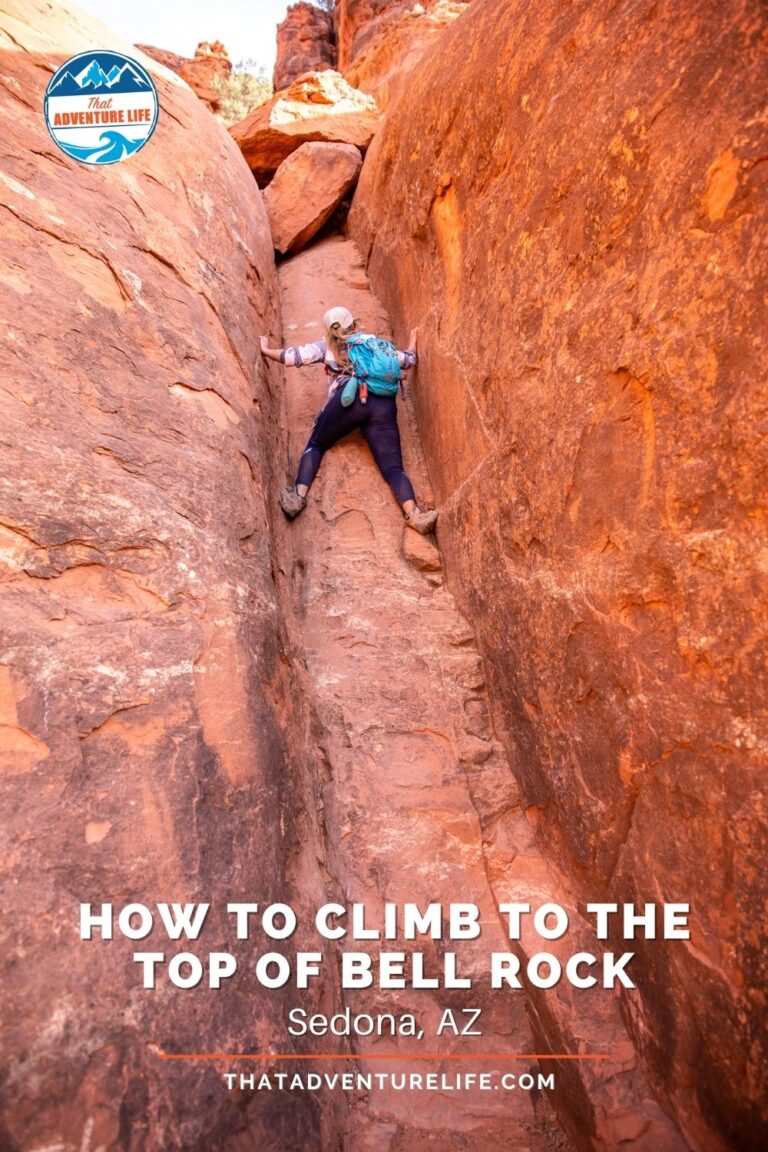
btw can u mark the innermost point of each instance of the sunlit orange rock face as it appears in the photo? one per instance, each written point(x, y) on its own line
point(574, 222)
point(146, 727)
point(304, 44)
point(378, 42)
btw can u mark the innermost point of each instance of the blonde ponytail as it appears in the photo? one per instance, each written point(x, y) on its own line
point(335, 339)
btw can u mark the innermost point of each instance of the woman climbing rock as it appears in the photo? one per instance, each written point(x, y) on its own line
point(364, 376)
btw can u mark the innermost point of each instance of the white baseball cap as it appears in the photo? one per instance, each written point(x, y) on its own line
point(339, 318)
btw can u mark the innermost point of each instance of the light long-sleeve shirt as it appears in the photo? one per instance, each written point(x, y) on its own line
point(318, 352)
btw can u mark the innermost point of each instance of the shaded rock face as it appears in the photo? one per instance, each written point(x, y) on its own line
point(318, 106)
point(305, 43)
point(590, 289)
point(148, 724)
point(379, 42)
point(307, 189)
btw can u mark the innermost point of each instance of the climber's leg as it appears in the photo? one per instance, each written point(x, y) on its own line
point(332, 424)
point(383, 435)
point(421, 522)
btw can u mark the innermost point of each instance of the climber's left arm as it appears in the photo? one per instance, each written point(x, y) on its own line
point(407, 356)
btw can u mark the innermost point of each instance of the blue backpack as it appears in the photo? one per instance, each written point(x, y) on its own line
point(376, 364)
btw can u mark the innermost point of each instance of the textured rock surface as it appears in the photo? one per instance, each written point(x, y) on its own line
point(205, 74)
point(162, 56)
point(319, 106)
point(590, 285)
point(306, 190)
point(305, 43)
point(208, 69)
point(147, 718)
point(418, 799)
point(398, 814)
point(379, 42)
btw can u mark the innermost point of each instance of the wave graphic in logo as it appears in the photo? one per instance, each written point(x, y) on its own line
point(112, 146)
point(101, 107)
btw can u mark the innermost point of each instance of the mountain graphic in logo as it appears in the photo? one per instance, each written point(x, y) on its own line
point(118, 77)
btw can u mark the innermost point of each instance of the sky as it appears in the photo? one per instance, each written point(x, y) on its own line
point(245, 27)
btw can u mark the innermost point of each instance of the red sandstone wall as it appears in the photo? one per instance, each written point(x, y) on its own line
point(205, 73)
point(373, 43)
point(305, 43)
point(577, 223)
point(162, 56)
point(379, 42)
point(152, 747)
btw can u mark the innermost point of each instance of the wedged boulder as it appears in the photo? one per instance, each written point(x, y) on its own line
point(147, 717)
point(319, 106)
point(421, 552)
point(588, 274)
point(304, 44)
point(306, 190)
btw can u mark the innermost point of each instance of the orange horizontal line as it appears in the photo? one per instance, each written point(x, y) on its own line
point(379, 1056)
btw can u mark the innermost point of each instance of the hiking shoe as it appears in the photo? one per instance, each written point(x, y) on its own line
point(422, 522)
point(291, 502)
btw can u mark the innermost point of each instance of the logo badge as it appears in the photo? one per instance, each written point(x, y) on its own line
point(101, 107)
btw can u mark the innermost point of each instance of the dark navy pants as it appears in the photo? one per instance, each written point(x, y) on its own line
point(378, 421)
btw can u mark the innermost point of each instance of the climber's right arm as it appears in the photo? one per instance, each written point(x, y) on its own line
point(297, 356)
